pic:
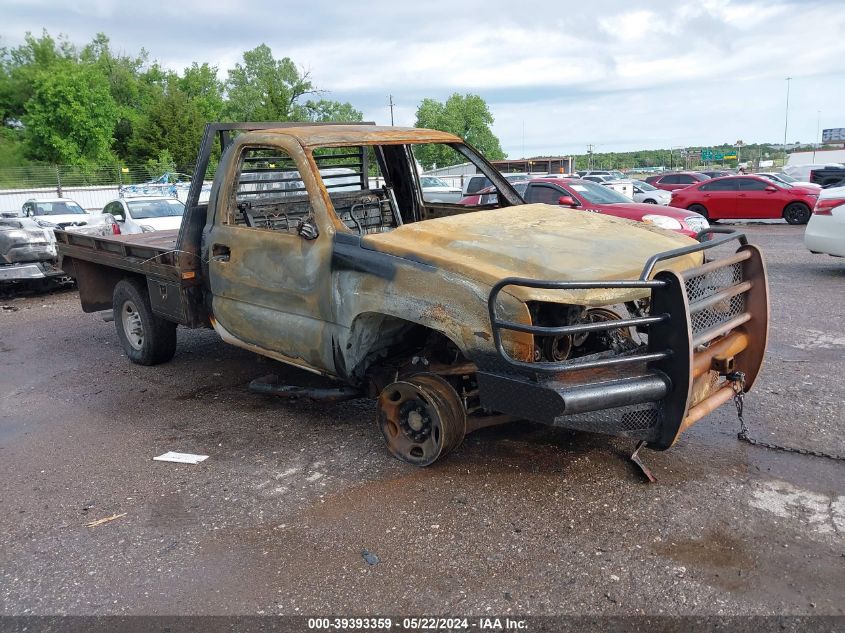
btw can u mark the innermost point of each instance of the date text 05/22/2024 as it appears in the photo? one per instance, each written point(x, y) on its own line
point(418, 624)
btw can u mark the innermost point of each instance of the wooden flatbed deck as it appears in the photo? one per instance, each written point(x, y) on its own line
point(153, 254)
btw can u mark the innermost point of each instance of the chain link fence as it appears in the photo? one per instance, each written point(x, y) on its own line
point(91, 186)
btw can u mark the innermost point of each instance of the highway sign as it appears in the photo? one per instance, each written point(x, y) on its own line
point(834, 135)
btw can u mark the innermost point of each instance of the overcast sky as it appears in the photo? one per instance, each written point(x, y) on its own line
point(620, 74)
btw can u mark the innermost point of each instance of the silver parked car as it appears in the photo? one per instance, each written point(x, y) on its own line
point(649, 194)
point(436, 190)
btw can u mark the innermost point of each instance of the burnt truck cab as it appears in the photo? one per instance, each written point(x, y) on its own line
point(317, 248)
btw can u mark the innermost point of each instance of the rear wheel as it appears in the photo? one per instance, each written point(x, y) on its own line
point(699, 209)
point(797, 213)
point(146, 338)
point(422, 418)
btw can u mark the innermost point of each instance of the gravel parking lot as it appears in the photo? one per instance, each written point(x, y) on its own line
point(520, 519)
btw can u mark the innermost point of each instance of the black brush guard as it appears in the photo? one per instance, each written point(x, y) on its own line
point(703, 324)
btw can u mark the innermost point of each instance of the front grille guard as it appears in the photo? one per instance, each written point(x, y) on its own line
point(702, 302)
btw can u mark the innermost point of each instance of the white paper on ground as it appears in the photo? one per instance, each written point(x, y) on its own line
point(180, 458)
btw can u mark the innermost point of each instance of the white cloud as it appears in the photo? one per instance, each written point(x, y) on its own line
point(617, 73)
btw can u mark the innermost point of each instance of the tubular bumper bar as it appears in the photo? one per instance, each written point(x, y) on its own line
point(704, 322)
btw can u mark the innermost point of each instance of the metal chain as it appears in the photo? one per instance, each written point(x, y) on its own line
point(738, 380)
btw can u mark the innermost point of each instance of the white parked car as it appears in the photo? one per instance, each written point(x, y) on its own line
point(614, 174)
point(599, 178)
point(68, 215)
point(649, 194)
point(623, 186)
point(785, 179)
point(146, 213)
point(477, 182)
point(437, 190)
point(825, 231)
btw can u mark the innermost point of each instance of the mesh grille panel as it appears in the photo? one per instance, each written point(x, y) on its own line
point(704, 286)
point(638, 421)
point(720, 313)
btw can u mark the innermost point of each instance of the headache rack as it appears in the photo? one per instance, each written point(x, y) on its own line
point(703, 324)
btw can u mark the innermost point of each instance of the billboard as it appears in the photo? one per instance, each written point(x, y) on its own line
point(834, 135)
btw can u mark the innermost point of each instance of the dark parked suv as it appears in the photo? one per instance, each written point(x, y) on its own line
point(678, 180)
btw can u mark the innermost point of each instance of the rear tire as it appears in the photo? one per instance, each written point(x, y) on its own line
point(700, 210)
point(146, 338)
point(797, 213)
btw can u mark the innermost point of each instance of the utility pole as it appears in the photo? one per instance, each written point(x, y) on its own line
point(590, 156)
point(818, 122)
point(786, 120)
point(391, 109)
point(523, 139)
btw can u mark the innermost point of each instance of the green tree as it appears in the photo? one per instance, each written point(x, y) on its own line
point(200, 85)
point(160, 165)
point(71, 115)
point(173, 124)
point(327, 110)
point(12, 148)
point(123, 75)
point(263, 88)
point(20, 68)
point(467, 116)
point(60, 103)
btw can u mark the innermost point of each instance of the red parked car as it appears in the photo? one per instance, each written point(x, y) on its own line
point(592, 197)
point(676, 180)
point(747, 197)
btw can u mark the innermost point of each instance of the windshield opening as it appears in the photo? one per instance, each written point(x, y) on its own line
point(461, 168)
point(146, 209)
point(372, 188)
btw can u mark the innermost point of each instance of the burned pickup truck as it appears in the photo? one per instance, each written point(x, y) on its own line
point(318, 249)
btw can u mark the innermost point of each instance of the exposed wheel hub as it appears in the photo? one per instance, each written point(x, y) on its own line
point(422, 418)
point(414, 420)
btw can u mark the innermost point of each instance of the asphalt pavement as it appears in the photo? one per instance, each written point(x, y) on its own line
point(300, 509)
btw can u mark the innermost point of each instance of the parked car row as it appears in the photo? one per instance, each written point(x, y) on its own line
point(754, 196)
point(584, 195)
point(28, 241)
point(123, 215)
